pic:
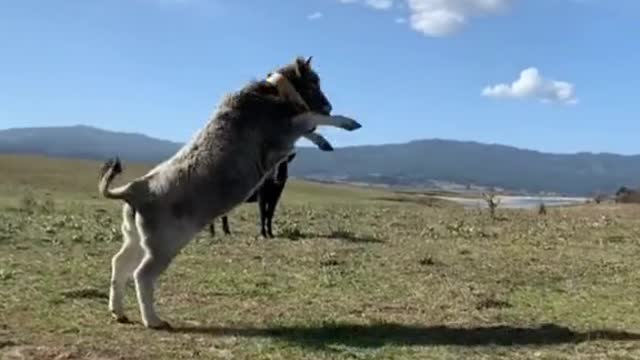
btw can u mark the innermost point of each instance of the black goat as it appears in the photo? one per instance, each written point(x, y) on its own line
point(267, 197)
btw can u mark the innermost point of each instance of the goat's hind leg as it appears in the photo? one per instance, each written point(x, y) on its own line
point(145, 277)
point(123, 264)
point(161, 245)
point(270, 212)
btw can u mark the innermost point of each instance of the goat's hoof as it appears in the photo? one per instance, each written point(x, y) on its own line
point(348, 123)
point(121, 319)
point(326, 147)
point(353, 126)
point(323, 144)
point(162, 325)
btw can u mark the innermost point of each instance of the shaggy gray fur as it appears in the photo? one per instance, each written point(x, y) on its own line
point(251, 132)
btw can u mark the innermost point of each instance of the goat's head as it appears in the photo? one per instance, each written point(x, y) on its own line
point(300, 85)
point(307, 83)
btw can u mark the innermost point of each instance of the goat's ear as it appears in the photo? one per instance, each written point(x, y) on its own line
point(308, 61)
point(291, 157)
point(301, 66)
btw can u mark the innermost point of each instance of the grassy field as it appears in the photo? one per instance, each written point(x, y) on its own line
point(353, 274)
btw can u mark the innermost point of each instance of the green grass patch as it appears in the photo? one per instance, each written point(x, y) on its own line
point(353, 274)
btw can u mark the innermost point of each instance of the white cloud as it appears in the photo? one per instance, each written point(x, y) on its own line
point(315, 16)
point(379, 4)
point(376, 4)
point(531, 84)
point(445, 17)
point(438, 18)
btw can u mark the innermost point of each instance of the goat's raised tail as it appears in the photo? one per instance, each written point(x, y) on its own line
point(108, 172)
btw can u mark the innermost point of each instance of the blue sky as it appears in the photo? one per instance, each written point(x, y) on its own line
point(551, 75)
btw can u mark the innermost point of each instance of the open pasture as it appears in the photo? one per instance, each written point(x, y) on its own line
point(353, 273)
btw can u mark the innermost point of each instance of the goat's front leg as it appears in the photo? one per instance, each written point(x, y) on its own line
point(262, 206)
point(319, 140)
point(225, 225)
point(311, 120)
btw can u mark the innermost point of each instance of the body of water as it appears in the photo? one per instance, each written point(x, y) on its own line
point(517, 202)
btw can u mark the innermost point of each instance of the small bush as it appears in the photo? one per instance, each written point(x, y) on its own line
point(28, 202)
point(542, 209)
point(48, 205)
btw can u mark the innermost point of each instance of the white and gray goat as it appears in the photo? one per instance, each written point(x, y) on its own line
point(252, 131)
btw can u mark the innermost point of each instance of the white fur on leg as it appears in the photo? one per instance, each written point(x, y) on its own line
point(161, 244)
point(313, 120)
point(123, 264)
point(145, 277)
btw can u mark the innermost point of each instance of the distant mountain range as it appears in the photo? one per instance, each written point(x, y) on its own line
point(420, 163)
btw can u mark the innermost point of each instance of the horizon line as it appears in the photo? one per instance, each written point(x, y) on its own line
point(583, 152)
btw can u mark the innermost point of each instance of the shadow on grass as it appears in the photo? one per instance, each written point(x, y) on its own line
point(371, 336)
point(336, 235)
point(353, 238)
point(85, 293)
point(501, 218)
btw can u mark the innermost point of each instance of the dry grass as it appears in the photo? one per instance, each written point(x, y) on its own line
point(351, 275)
